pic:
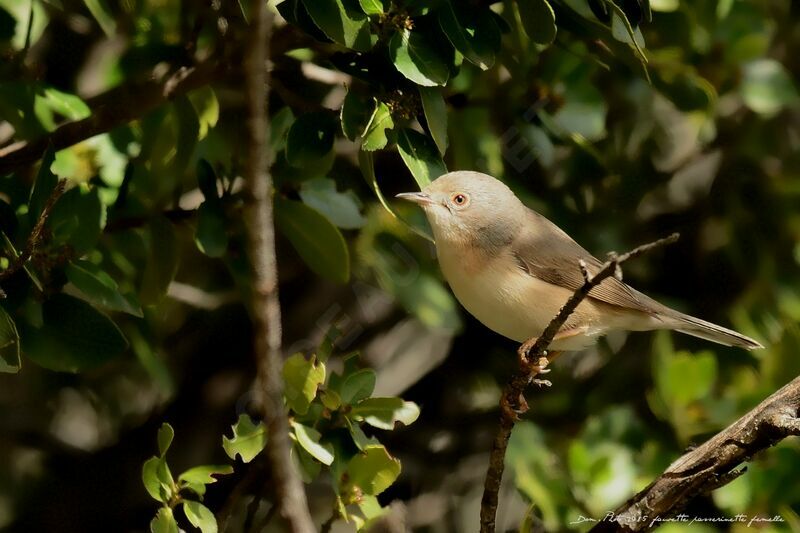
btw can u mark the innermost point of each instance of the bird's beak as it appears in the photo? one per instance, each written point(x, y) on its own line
point(417, 197)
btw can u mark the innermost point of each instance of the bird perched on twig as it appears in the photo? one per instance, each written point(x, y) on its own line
point(513, 269)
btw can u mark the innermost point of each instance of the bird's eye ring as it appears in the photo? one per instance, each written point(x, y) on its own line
point(460, 199)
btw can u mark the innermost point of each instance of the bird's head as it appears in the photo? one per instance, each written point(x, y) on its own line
point(468, 207)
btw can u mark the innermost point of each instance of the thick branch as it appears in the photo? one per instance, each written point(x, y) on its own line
point(109, 110)
point(712, 464)
point(265, 308)
point(513, 401)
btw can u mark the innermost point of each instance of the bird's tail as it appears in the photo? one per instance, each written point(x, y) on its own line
point(712, 332)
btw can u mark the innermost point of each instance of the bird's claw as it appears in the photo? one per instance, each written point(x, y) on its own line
point(542, 382)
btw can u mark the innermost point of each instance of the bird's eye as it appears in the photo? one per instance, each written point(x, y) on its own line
point(460, 199)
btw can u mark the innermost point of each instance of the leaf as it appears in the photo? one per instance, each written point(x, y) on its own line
point(78, 219)
point(74, 336)
point(165, 436)
point(162, 261)
point(317, 241)
point(356, 112)
point(164, 522)
point(205, 473)
point(97, 287)
point(200, 516)
point(767, 87)
point(341, 208)
point(43, 186)
point(435, 115)
point(375, 136)
point(308, 467)
point(205, 104)
point(248, 439)
point(150, 478)
point(302, 377)
point(385, 413)
point(207, 181)
point(371, 7)
point(472, 31)
point(309, 143)
point(344, 24)
point(279, 127)
point(104, 19)
point(308, 438)
point(538, 20)
point(65, 104)
point(682, 378)
point(358, 386)
point(211, 235)
point(418, 59)
point(372, 470)
point(421, 156)
point(360, 439)
point(10, 361)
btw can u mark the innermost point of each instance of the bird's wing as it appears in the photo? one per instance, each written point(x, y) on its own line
point(546, 252)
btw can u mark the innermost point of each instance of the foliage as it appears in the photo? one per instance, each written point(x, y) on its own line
point(621, 121)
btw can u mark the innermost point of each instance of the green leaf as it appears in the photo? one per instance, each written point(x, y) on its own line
point(74, 336)
point(164, 522)
point(372, 470)
point(358, 386)
point(205, 104)
point(207, 181)
point(279, 127)
point(767, 87)
point(10, 361)
point(65, 104)
point(97, 287)
point(418, 59)
point(199, 476)
point(78, 219)
point(356, 112)
point(385, 413)
point(200, 516)
point(308, 438)
point(685, 377)
point(435, 115)
point(104, 19)
point(372, 7)
point(375, 136)
point(309, 143)
point(538, 20)
point(165, 436)
point(342, 21)
point(421, 156)
point(317, 241)
point(341, 208)
point(360, 439)
point(302, 377)
point(248, 439)
point(211, 235)
point(308, 467)
point(162, 261)
point(150, 478)
point(43, 186)
point(472, 31)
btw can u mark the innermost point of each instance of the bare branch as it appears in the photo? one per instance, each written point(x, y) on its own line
point(711, 465)
point(513, 400)
point(265, 306)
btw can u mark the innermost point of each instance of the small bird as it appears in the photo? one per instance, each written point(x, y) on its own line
point(513, 269)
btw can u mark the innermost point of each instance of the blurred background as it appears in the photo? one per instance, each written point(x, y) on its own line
point(709, 147)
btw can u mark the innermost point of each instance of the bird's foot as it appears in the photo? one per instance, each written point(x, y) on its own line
point(523, 350)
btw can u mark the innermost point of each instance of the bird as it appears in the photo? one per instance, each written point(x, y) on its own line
point(513, 269)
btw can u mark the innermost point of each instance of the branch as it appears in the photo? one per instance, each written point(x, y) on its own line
point(36, 233)
point(109, 110)
point(711, 465)
point(513, 401)
point(265, 306)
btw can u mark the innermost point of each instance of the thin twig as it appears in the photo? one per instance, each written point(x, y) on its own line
point(265, 308)
point(710, 465)
point(36, 233)
point(513, 400)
